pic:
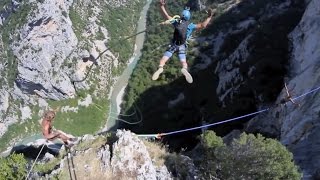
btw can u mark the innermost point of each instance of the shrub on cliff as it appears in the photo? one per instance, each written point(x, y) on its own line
point(13, 167)
point(249, 157)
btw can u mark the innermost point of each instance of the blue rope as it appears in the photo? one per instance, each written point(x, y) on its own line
point(213, 124)
point(148, 135)
point(221, 122)
point(311, 91)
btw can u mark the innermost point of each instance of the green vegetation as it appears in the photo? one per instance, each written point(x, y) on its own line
point(200, 98)
point(95, 143)
point(155, 38)
point(87, 120)
point(157, 152)
point(120, 26)
point(48, 166)
point(159, 36)
point(8, 30)
point(4, 3)
point(152, 96)
point(20, 130)
point(249, 157)
point(78, 22)
point(13, 167)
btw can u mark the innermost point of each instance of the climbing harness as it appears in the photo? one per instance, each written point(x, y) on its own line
point(174, 19)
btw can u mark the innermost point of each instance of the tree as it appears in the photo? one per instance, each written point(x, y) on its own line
point(249, 157)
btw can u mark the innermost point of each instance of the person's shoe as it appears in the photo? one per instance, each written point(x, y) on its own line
point(73, 139)
point(155, 76)
point(69, 144)
point(187, 75)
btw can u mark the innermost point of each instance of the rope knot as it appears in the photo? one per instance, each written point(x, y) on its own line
point(159, 135)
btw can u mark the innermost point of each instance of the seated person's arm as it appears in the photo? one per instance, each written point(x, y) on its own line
point(49, 135)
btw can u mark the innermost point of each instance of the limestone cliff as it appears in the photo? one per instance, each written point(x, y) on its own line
point(242, 62)
point(240, 65)
point(120, 156)
point(298, 127)
point(49, 51)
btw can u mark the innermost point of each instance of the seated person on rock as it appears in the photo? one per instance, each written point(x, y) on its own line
point(51, 134)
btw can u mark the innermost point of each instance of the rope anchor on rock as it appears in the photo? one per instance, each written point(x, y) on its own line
point(288, 97)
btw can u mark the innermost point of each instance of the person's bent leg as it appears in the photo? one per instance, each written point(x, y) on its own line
point(64, 138)
point(185, 72)
point(183, 60)
point(163, 61)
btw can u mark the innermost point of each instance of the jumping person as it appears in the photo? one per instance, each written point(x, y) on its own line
point(183, 30)
point(50, 134)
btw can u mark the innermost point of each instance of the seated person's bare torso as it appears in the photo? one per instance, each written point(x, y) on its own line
point(48, 132)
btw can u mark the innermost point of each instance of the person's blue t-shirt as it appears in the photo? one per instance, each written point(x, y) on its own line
point(191, 28)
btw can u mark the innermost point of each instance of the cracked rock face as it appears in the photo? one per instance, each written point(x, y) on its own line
point(130, 159)
point(94, 158)
point(254, 70)
point(45, 42)
point(299, 127)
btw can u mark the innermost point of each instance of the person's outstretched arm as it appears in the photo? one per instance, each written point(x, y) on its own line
point(205, 23)
point(163, 10)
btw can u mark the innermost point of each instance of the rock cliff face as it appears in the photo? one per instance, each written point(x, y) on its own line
point(48, 48)
point(46, 41)
point(121, 157)
point(278, 50)
point(254, 47)
point(242, 62)
point(257, 64)
point(298, 127)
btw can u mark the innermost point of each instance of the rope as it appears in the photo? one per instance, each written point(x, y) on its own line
point(34, 162)
point(73, 168)
point(118, 119)
point(131, 123)
point(124, 115)
point(148, 135)
point(69, 164)
point(221, 122)
point(309, 92)
point(213, 124)
point(120, 41)
point(52, 148)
